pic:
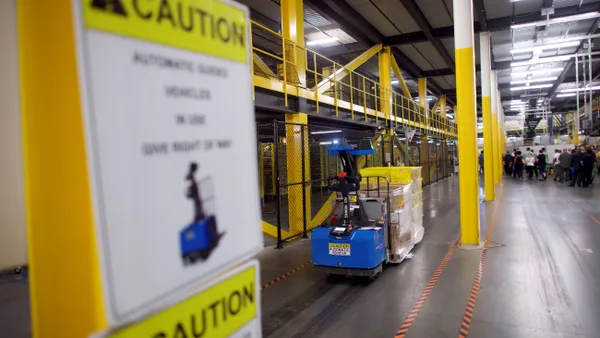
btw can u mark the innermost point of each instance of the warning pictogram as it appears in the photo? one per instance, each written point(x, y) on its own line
point(114, 6)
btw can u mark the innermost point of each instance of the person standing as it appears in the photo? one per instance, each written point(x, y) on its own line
point(518, 166)
point(529, 165)
point(541, 164)
point(555, 163)
point(564, 166)
point(588, 163)
point(481, 162)
point(508, 163)
point(575, 168)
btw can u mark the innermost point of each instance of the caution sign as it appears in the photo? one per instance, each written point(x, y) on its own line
point(160, 83)
point(211, 27)
point(229, 308)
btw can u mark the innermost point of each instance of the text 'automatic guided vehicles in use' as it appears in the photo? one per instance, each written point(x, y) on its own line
point(363, 232)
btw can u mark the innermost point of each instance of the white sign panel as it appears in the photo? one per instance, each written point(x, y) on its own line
point(166, 92)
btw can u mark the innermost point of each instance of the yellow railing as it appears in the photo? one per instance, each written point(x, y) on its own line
point(280, 65)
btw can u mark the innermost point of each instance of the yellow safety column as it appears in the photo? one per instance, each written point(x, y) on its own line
point(443, 106)
point(292, 28)
point(385, 83)
point(486, 107)
point(425, 161)
point(423, 92)
point(65, 292)
point(495, 128)
point(467, 130)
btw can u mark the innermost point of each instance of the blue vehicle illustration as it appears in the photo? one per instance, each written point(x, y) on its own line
point(200, 238)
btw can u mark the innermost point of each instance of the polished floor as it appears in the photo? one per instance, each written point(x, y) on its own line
point(540, 276)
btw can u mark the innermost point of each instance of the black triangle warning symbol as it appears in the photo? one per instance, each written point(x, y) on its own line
point(113, 6)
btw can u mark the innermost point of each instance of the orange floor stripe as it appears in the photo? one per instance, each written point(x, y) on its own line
point(283, 276)
point(468, 314)
point(410, 318)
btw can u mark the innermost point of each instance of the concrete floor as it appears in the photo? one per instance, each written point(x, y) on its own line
point(539, 279)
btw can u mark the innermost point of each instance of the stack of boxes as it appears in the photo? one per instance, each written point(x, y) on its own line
point(406, 204)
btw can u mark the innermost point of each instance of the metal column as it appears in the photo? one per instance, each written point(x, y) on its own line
point(495, 125)
point(292, 28)
point(486, 106)
point(467, 130)
point(385, 84)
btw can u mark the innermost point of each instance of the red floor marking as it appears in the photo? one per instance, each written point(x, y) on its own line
point(408, 322)
point(468, 315)
point(587, 213)
point(278, 279)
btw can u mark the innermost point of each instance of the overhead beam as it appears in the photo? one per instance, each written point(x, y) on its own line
point(417, 15)
point(493, 25)
point(338, 50)
point(504, 23)
point(569, 67)
point(481, 15)
point(363, 31)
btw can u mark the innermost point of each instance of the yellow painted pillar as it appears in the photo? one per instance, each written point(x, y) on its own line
point(296, 136)
point(426, 164)
point(498, 131)
point(455, 111)
point(423, 92)
point(467, 124)
point(486, 107)
point(65, 291)
point(443, 105)
point(385, 83)
point(575, 128)
point(292, 28)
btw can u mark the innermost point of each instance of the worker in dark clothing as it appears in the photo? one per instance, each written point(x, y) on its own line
point(508, 163)
point(563, 166)
point(588, 163)
point(575, 168)
point(541, 164)
point(518, 166)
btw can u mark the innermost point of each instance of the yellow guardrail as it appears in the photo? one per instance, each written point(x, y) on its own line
point(298, 71)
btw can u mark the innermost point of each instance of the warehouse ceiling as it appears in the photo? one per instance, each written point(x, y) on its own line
point(421, 35)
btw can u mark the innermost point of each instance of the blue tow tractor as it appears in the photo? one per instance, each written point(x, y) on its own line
point(200, 238)
point(354, 239)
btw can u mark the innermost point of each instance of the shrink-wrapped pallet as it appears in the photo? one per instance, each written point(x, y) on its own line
point(402, 241)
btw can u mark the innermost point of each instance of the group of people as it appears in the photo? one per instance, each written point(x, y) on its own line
point(577, 166)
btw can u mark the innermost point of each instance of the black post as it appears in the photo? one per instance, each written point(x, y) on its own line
point(277, 183)
point(383, 150)
point(303, 182)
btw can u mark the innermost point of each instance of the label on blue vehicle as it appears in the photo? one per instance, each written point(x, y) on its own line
point(339, 249)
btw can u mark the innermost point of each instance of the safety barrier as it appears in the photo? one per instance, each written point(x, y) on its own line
point(282, 66)
point(294, 168)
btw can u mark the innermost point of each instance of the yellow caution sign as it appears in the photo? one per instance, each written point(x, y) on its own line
point(216, 312)
point(210, 27)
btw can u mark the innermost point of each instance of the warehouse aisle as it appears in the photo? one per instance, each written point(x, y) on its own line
point(538, 277)
point(307, 303)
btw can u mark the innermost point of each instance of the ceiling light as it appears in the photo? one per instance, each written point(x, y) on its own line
point(545, 47)
point(534, 95)
point(322, 41)
point(531, 87)
point(395, 81)
point(325, 132)
point(541, 60)
point(534, 80)
point(574, 90)
point(534, 72)
point(569, 94)
point(428, 99)
point(570, 18)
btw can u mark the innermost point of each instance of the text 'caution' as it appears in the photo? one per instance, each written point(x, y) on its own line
point(209, 27)
point(216, 312)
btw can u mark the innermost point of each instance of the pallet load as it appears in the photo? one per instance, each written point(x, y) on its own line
point(406, 203)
